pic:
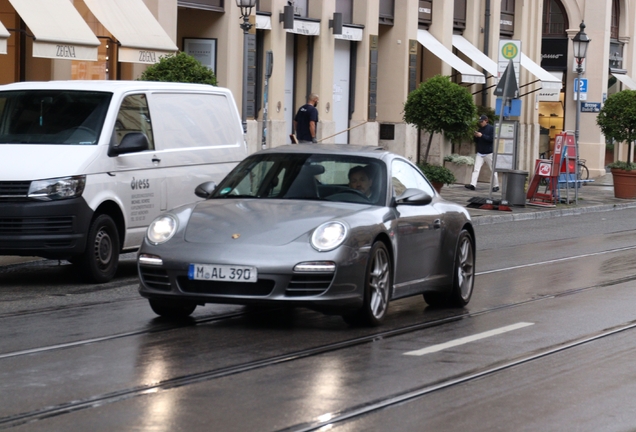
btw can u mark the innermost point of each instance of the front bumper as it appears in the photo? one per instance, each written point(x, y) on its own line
point(50, 229)
point(277, 281)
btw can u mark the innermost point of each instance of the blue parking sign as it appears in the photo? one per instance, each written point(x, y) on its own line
point(583, 85)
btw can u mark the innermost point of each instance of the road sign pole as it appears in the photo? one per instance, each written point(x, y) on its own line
point(507, 91)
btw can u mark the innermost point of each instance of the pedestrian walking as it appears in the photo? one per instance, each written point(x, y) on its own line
point(484, 138)
point(306, 120)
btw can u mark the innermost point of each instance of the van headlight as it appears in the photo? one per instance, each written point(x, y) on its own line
point(162, 229)
point(328, 236)
point(57, 188)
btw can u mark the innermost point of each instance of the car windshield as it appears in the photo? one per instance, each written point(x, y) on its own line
point(326, 177)
point(52, 116)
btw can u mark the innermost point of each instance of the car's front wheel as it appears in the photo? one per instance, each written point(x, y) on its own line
point(461, 289)
point(99, 262)
point(173, 309)
point(377, 289)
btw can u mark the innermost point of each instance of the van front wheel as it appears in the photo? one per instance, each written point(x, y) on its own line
point(100, 259)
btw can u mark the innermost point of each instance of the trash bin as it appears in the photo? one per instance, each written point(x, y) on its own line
point(513, 186)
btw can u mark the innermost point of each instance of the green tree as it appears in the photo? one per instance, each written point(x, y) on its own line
point(179, 67)
point(440, 106)
point(617, 120)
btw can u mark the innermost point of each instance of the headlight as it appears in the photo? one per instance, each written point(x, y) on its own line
point(162, 229)
point(328, 236)
point(58, 188)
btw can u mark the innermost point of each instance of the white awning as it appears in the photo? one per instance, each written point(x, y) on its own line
point(4, 35)
point(551, 95)
point(468, 73)
point(625, 79)
point(307, 28)
point(59, 30)
point(350, 33)
point(472, 52)
point(141, 37)
point(548, 81)
point(263, 22)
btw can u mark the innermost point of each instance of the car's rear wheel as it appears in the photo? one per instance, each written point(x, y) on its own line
point(461, 289)
point(172, 308)
point(99, 262)
point(377, 289)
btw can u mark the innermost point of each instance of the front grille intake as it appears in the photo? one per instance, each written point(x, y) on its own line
point(155, 278)
point(36, 225)
point(303, 285)
point(14, 188)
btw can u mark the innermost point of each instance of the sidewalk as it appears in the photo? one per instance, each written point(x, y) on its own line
point(596, 196)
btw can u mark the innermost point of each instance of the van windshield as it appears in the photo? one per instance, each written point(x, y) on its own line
point(52, 116)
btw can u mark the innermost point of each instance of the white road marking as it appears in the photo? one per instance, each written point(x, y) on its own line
point(467, 339)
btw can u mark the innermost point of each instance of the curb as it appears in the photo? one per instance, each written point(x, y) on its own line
point(487, 220)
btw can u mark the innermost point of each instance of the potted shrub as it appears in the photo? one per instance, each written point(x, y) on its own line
point(460, 166)
point(180, 67)
point(440, 106)
point(437, 175)
point(617, 120)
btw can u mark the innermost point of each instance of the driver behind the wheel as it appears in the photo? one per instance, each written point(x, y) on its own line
point(360, 180)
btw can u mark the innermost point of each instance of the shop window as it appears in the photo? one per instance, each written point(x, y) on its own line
point(213, 5)
point(616, 14)
point(616, 55)
point(507, 18)
point(102, 69)
point(555, 20)
point(345, 7)
point(459, 15)
point(551, 116)
point(301, 9)
point(425, 13)
point(387, 11)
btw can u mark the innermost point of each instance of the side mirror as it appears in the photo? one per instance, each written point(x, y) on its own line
point(131, 143)
point(413, 196)
point(204, 190)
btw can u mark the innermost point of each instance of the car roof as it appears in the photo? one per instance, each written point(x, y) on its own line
point(344, 149)
point(111, 86)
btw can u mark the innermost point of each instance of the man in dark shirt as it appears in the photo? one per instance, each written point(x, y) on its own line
point(306, 120)
point(484, 138)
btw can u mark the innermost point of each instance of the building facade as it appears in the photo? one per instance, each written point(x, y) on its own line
point(362, 57)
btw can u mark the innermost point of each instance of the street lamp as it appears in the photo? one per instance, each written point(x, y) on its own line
point(580, 42)
point(246, 10)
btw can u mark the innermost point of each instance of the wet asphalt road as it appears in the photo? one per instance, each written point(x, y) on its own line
point(546, 344)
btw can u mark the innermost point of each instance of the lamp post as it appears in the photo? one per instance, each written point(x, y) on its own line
point(580, 42)
point(246, 10)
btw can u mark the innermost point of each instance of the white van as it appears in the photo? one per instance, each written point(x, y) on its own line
point(85, 166)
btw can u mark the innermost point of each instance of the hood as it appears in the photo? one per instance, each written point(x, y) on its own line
point(36, 162)
point(261, 222)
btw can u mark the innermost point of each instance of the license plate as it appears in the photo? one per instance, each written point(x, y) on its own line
point(221, 272)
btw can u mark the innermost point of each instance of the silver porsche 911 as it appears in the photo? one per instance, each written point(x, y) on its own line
point(340, 229)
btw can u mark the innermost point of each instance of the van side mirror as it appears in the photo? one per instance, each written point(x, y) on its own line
point(131, 143)
point(204, 190)
point(413, 196)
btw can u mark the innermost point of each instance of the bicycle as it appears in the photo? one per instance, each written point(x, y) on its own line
point(583, 173)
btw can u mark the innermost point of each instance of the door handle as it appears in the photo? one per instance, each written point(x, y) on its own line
point(437, 224)
point(155, 159)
